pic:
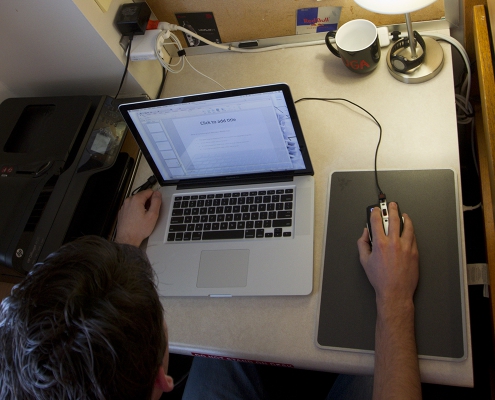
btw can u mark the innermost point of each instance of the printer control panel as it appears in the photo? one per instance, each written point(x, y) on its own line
point(106, 138)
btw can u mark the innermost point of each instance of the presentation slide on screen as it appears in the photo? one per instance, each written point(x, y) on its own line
point(232, 138)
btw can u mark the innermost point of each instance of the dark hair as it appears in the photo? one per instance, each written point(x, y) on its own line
point(85, 323)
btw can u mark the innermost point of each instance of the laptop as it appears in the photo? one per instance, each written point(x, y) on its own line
point(237, 191)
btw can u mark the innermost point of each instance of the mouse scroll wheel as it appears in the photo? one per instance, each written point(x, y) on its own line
point(384, 212)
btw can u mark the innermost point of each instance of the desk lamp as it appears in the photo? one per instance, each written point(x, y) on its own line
point(413, 59)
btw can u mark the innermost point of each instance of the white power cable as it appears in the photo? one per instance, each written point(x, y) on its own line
point(471, 208)
point(206, 76)
point(173, 27)
point(181, 61)
point(159, 42)
point(463, 97)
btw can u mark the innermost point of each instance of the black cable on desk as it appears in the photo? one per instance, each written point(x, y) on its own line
point(367, 112)
point(126, 65)
point(146, 185)
point(162, 83)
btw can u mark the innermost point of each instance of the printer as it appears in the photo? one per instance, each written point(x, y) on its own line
point(62, 174)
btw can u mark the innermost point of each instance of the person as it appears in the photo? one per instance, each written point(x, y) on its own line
point(391, 266)
point(392, 269)
point(88, 323)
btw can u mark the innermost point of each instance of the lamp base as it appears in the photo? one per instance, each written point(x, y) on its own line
point(431, 66)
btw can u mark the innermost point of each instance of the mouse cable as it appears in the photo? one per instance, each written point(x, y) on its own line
point(381, 194)
point(146, 185)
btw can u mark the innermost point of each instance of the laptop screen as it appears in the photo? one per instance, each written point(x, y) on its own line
point(244, 131)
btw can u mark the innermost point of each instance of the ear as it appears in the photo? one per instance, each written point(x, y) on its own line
point(163, 383)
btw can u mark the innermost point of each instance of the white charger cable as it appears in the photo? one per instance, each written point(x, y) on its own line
point(160, 42)
point(382, 33)
point(173, 27)
point(179, 65)
point(462, 99)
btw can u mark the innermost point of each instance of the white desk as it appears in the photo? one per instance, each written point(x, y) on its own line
point(419, 132)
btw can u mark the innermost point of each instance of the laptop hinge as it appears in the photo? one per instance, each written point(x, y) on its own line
point(233, 181)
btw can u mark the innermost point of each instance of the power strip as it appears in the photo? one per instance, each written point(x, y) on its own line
point(143, 47)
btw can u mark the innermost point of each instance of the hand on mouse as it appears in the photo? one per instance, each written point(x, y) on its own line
point(392, 265)
point(392, 269)
point(137, 219)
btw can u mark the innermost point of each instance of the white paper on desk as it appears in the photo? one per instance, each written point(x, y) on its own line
point(478, 275)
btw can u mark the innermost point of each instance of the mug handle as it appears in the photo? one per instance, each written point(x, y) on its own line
point(334, 51)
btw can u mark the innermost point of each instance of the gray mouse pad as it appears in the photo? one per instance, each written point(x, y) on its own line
point(347, 304)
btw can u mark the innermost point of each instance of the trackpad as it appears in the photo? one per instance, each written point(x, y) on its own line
point(223, 268)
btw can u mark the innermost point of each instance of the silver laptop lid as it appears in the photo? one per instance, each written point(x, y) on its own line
point(220, 138)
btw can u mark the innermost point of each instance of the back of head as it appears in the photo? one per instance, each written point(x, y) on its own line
point(85, 323)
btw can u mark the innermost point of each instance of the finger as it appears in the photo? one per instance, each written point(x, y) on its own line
point(415, 244)
point(394, 220)
point(365, 236)
point(155, 203)
point(377, 223)
point(364, 246)
point(408, 230)
point(143, 196)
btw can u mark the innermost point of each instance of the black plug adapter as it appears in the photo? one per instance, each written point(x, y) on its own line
point(132, 18)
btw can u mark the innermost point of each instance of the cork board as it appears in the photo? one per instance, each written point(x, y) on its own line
point(258, 19)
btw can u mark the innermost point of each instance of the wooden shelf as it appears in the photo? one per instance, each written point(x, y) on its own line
point(485, 128)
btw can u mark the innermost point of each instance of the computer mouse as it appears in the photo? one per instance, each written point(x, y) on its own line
point(383, 206)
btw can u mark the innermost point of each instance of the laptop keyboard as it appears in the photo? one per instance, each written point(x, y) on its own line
point(254, 214)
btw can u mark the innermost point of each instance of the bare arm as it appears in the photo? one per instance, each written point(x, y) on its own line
point(136, 219)
point(392, 268)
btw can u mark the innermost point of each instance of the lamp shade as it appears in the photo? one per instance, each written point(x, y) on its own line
point(393, 6)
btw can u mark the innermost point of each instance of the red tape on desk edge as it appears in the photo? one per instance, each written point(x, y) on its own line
point(273, 364)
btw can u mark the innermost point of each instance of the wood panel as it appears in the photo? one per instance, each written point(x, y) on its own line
point(468, 25)
point(257, 19)
point(486, 79)
point(487, 202)
point(485, 127)
point(490, 4)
